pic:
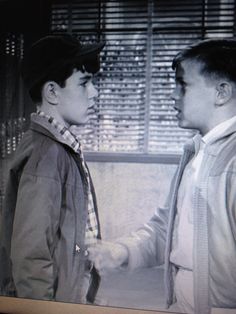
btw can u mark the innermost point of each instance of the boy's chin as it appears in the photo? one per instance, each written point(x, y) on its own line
point(184, 125)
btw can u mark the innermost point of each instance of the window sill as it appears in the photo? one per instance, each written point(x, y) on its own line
point(133, 158)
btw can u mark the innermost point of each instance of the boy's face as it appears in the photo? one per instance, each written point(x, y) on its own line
point(77, 98)
point(194, 97)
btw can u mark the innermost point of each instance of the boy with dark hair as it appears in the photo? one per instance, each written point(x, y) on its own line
point(50, 214)
point(194, 235)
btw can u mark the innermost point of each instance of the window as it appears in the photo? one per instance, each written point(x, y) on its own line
point(134, 109)
point(12, 122)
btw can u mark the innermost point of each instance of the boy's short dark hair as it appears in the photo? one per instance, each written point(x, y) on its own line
point(217, 57)
point(53, 58)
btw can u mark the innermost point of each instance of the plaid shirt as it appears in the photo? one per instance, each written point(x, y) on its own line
point(91, 232)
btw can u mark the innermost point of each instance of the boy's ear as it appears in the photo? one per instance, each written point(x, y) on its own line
point(50, 92)
point(224, 92)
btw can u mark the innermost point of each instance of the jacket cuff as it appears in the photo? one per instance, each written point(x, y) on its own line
point(135, 259)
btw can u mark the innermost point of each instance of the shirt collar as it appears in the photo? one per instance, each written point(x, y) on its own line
point(197, 141)
point(62, 131)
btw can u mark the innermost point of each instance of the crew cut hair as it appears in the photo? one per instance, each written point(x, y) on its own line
point(216, 56)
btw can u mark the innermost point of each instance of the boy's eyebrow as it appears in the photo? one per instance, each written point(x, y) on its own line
point(179, 79)
point(86, 77)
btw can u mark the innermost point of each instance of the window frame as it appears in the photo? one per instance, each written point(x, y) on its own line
point(151, 30)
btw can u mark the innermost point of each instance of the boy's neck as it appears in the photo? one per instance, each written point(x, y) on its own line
point(51, 110)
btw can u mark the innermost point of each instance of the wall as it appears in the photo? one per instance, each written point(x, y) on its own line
point(128, 194)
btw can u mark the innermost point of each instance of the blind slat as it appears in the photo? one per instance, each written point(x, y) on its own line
point(120, 121)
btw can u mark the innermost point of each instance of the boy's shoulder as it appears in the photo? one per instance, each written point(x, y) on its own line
point(225, 160)
point(41, 155)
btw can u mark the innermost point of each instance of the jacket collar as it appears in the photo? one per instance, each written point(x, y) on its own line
point(41, 125)
point(213, 146)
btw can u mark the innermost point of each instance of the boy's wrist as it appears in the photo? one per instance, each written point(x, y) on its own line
point(121, 253)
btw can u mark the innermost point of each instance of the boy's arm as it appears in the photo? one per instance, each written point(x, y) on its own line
point(142, 248)
point(35, 225)
point(146, 246)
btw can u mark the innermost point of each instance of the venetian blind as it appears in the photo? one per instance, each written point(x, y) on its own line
point(12, 122)
point(134, 111)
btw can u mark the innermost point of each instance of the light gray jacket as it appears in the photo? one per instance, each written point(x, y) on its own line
point(214, 208)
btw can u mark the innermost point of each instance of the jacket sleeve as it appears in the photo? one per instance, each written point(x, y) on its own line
point(231, 201)
point(35, 225)
point(146, 246)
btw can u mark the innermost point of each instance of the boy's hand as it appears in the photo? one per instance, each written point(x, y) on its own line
point(107, 255)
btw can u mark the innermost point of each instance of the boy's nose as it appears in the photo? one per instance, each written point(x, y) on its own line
point(93, 92)
point(173, 95)
point(176, 94)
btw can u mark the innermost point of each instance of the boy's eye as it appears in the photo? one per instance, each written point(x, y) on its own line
point(83, 84)
point(95, 80)
point(181, 84)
